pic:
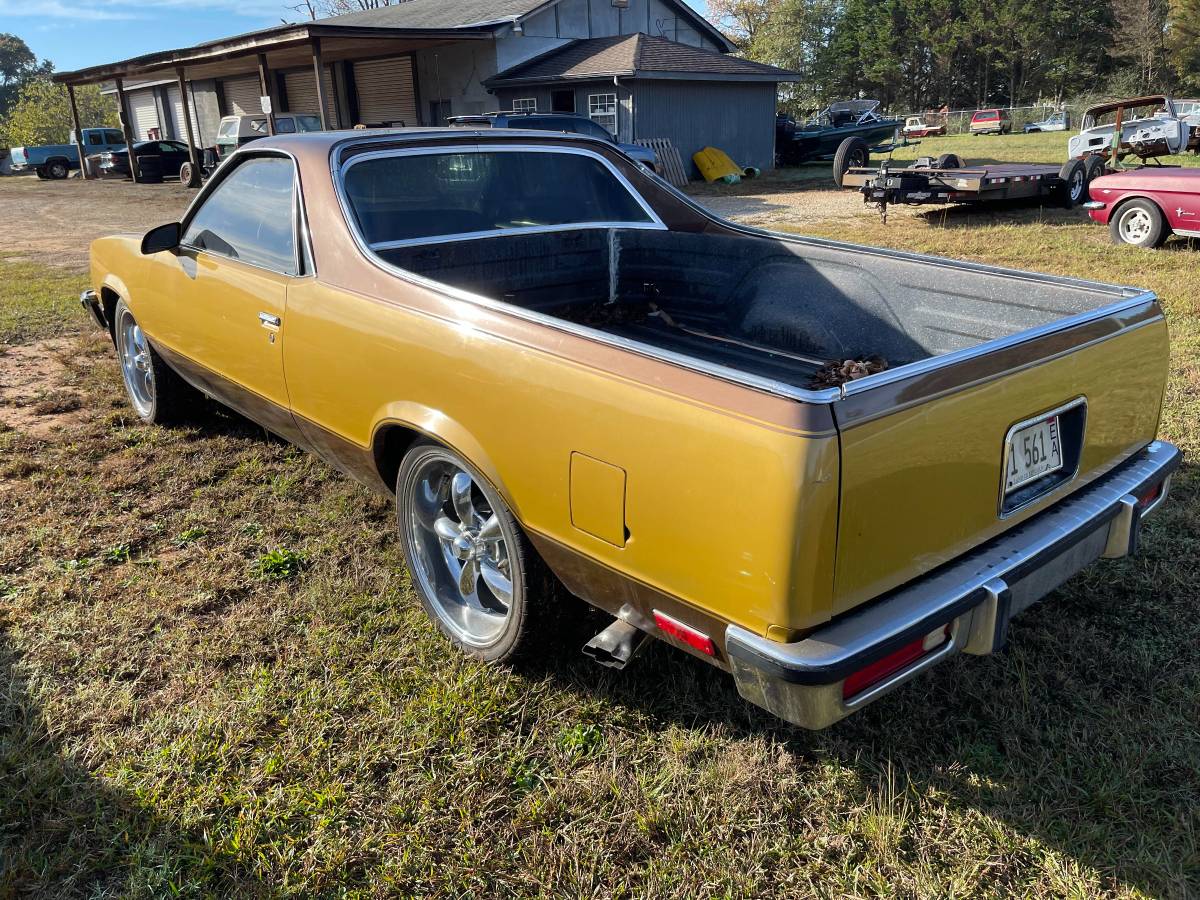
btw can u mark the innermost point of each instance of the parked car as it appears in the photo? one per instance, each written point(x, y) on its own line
point(1145, 206)
point(1189, 110)
point(1058, 121)
point(917, 127)
point(565, 372)
point(991, 121)
point(171, 156)
point(237, 131)
point(570, 123)
point(59, 160)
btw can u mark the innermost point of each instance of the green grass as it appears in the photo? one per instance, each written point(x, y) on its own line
point(36, 301)
point(215, 680)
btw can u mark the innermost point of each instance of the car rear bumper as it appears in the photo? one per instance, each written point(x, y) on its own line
point(964, 606)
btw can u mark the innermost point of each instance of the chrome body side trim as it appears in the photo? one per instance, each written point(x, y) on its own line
point(975, 595)
point(90, 301)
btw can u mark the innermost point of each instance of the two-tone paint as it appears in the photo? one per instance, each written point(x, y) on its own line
point(1174, 190)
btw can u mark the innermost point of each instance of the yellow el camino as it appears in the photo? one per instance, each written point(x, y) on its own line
point(571, 376)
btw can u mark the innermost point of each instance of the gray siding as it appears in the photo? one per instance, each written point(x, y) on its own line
point(625, 113)
point(736, 117)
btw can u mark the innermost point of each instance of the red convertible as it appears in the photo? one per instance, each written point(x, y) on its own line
point(1145, 206)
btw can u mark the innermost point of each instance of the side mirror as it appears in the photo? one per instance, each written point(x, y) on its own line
point(164, 237)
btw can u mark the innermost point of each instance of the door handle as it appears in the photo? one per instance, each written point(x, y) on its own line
point(269, 321)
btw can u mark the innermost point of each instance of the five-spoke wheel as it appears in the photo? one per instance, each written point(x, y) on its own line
point(465, 552)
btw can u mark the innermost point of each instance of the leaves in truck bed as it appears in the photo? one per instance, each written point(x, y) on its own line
point(836, 373)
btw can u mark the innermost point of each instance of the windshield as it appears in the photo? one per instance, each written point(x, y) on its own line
point(308, 123)
point(227, 128)
point(418, 197)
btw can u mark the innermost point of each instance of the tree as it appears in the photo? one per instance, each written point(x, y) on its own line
point(42, 113)
point(1183, 43)
point(18, 66)
point(319, 9)
point(741, 20)
point(1139, 37)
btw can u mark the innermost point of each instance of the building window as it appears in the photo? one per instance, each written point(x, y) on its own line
point(602, 108)
point(525, 104)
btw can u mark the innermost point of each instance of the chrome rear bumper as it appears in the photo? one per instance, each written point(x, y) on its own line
point(974, 596)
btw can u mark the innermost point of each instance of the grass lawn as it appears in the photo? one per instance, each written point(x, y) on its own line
point(215, 680)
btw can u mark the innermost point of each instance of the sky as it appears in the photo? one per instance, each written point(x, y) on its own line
point(75, 35)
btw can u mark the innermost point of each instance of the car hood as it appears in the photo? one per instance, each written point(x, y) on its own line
point(1150, 178)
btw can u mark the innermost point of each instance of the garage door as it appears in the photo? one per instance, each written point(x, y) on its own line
point(143, 112)
point(242, 97)
point(177, 117)
point(386, 95)
point(302, 93)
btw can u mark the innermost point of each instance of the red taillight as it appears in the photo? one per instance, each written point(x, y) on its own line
point(1149, 495)
point(685, 633)
point(894, 662)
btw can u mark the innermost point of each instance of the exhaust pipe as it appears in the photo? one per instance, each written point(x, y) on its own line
point(616, 644)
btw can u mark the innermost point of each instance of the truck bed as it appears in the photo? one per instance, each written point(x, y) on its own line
point(772, 308)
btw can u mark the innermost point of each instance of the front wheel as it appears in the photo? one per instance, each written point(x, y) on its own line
point(852, 153)
point(477, 577)
point(1139, 223)
point(157, 394)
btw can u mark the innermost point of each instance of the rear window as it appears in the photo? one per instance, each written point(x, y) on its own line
point(431, 196)
point(986, 114)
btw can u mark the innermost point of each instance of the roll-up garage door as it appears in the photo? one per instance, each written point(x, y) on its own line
point(242, 96)
point(143, 112)
point(386, 95)
point(302, 93)
point(177, 117)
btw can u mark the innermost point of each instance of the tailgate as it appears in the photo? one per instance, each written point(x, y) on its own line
point(923, 452)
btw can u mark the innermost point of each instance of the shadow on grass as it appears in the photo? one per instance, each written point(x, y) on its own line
point(64, 833)
point(1082, 735)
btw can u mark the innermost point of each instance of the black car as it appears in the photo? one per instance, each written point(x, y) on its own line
point(167, 157)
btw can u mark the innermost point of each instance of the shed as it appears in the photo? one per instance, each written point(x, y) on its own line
point(643, 86)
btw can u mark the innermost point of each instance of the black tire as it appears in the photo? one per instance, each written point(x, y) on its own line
point(1139, 223)
point(163, 398)
point(189, 175)
point(41, 173)
point(852, 153)
point(533, 590)
point(57, 169)
point(949, 161)
point(1073, 176)
point(1094, 166)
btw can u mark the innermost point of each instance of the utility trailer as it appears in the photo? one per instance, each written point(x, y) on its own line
point(948, 180)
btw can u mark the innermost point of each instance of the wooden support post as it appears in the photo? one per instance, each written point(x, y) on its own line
point(318, 70)
point(83, 172)
point(193, 150)
point(264, 90)
point(126, 130)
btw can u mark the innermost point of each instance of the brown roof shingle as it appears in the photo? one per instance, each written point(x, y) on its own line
point(633, 55)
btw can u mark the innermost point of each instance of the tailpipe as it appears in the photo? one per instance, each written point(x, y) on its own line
point(616, 645)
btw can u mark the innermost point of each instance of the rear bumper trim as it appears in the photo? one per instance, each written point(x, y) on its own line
point(975, 595)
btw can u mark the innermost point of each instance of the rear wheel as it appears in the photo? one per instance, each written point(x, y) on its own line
point(157, 394)
point(852, 153)
point(477, 577)
point(42, 173)
point(57, 169)
point(1095, 167)
point(949, 161)
point(189, 175)
point(1140, 223)
point(1073, 175)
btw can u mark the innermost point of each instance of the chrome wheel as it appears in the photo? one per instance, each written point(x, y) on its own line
point(137, 366)
point(1135, 226)
point(460, 550)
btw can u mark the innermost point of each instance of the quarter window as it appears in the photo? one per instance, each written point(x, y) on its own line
point(249, 216)
point(525, 104)
point(602, 108)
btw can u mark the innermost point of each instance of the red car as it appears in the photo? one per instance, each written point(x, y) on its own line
point(1145, 206)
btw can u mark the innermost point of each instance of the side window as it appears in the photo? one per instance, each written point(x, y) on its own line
point(249, 216)
point(285, 125)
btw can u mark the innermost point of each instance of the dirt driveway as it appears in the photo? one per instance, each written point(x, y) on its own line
point(59, 219)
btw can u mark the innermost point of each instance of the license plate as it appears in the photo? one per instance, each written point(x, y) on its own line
point(1033, 451)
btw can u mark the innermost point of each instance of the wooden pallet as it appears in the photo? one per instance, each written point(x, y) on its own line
point(670, 163)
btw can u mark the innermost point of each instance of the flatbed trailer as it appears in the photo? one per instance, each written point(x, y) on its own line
point(927, 184)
